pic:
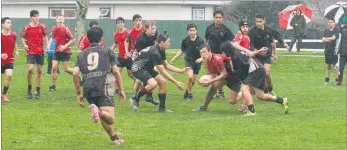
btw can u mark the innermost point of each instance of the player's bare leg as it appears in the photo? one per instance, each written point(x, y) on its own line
point(66, 67)
point(248, 100)
point(130, 74)
point(55, 66)
point(327, 73)
point(268, 81)
point(106, 115)
point(190, 84)
point(162, 93)
point(211, 93)
point(9, 73)
point(117, 90)
point(30, 78)
point(38, 81)
point(151, 84)
point(233, 97)
point(268, 97)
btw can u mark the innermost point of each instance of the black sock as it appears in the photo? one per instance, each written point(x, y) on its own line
point(279, 100)
point(38, 89)
point(53, 86)
point(114, 137)
point(266, 90)
point(220, 91)
point(162, 99)
point(251, 108)
point(29, 88)
point(327, 79)
point(149, 94)
point(270, 89)
point(5, 90)
point(142, 92)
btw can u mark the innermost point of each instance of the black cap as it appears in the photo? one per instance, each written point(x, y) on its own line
point(92, 23)
point(243, 22)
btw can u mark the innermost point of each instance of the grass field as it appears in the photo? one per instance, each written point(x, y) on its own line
point(317, 117)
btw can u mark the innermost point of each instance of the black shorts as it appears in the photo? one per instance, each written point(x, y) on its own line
point(35, 59)
point(267, 60)
point(61, 56)
point(101, 101)
point(7, 66)
point(195, 67)
point(256, 79)
point(124, 63)
point(233, 84)
point(144, 75)
point(330, 59)
point(244, 68)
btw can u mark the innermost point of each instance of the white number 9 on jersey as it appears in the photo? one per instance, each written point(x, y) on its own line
point(93, 61)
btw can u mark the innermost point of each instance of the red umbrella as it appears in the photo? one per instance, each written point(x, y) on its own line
point(286, 15)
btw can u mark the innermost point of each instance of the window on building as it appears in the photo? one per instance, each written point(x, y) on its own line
point(105, 13)
point(68, 13)
point(198, 14)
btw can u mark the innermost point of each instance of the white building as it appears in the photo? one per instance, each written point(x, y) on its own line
point(111, 9)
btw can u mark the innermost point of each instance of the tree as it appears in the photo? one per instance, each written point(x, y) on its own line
point(82, 9)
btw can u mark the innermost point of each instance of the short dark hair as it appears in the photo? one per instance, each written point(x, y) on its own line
point(162, 37)
point(92, 23)
point(34, 13)
point(261, 16)
point(119, 19)
point(149, 24)
point(332, 19)
point(3, 20)
point(136, 16)
point(94, 34)
point(218, 12)
point(191, 26)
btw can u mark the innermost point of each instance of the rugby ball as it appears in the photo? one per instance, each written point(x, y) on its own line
point(206, 78)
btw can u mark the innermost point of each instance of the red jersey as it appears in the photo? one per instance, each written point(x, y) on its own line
point(217, 63)
point(34, 38)
point(243, 39)
point(134, 34)
point(7, 46)
point(84, 42)
point(62, 35)
point(119, 38)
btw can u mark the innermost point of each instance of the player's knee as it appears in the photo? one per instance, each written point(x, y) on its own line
point(328, 67)
point(260, 96)
point(152, 84)
point(190, 78)
point(162, 82)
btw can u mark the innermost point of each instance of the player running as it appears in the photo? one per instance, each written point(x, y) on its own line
point(190, 46)
point(263, 36)
point(8, 48)
point(144, 62)
point(63, 37)
point(216, 34)
point(124, 57)
point(100, 73)
point(34, 35)
point(220, 68)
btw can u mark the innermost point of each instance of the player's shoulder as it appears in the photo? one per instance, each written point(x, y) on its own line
point(13, 33)
point(41, 25)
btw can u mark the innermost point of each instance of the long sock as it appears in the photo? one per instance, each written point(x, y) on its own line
point(279, 100)
point(142, 92)
point(53, 86)
point(29, 88)
point(38, 89)
point(251, 108)
point(149, 94)
point(114, 137)
point(162, 99)
point(5, 90)
point(326, 79)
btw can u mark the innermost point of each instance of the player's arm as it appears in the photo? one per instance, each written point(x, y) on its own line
point(114, 45)
point(278, 37)
point(178, 54)
point(81, 43)
point(15, 50)
point(23, 35)
point(71, 37)
point(127, 42)
point(173, 68)
point(163, 72)
point(236, 44)
point(76, 79)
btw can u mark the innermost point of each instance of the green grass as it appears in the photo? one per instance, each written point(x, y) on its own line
point(317, 118)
